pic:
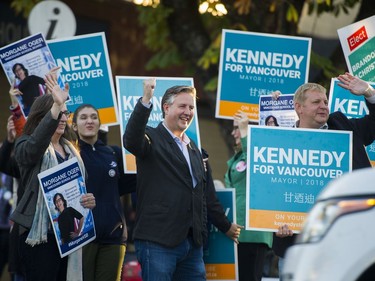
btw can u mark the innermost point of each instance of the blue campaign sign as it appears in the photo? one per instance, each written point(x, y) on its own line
point(85, 65)
point(130, 90)
point(220, 253)
point(287, 168)
point(255, 64)
point(352, 106)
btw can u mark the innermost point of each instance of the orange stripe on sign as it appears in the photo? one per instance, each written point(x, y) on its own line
point(372, 163)
point(130, 163)
point(107, 115)
point(274, 219)
point(229, 108)
point(220, 271)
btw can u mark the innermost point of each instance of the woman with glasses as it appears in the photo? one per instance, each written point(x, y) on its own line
point(43, 145)
point(28, 87)
point(271, 121)
point(70, 221)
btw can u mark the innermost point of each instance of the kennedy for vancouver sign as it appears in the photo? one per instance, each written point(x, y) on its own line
point(287, 168)
point(85, 65)
point(256, 64)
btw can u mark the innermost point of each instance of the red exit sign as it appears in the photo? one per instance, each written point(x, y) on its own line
point(357, 38)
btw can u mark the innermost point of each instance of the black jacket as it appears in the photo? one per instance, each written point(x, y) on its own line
point(107, 181)
point(363, 134)
point(8, 165)
point(167, 204)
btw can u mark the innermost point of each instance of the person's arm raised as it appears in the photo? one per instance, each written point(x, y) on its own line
point(59, 95)
point(355, 85)
point(148, 90)
point(243, 122)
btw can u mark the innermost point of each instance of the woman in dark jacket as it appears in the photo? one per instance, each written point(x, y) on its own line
point(103, 258)
point(43, 145)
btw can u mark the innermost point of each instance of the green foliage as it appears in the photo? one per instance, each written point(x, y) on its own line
point(211, 55)
point(328, 6)
point(320, 62)
point(157, 37)
point(292, 14)
point(24, 6)
point(211, 86)
point(164, 59)
point(214, 25)
point(154, 22)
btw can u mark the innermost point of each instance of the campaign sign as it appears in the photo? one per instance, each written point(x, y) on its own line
point(130, 90)
point(287, 169)
point(63, 187)
point(220, 253)
point(25, 63)
point(352, 106)
point(278, 112)
point(255, 64)
point(358, 44)
point(85, 65)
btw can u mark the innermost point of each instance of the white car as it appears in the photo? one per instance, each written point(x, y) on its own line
point(337, 242)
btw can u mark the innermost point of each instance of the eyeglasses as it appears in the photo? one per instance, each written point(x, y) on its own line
point(66, 113)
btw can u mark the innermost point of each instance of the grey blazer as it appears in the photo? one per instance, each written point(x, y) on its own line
point(29, 151)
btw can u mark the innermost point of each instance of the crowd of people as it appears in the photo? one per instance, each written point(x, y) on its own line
point(175, 193)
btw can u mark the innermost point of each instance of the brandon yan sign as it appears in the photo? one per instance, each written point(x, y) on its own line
point(287, 168)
